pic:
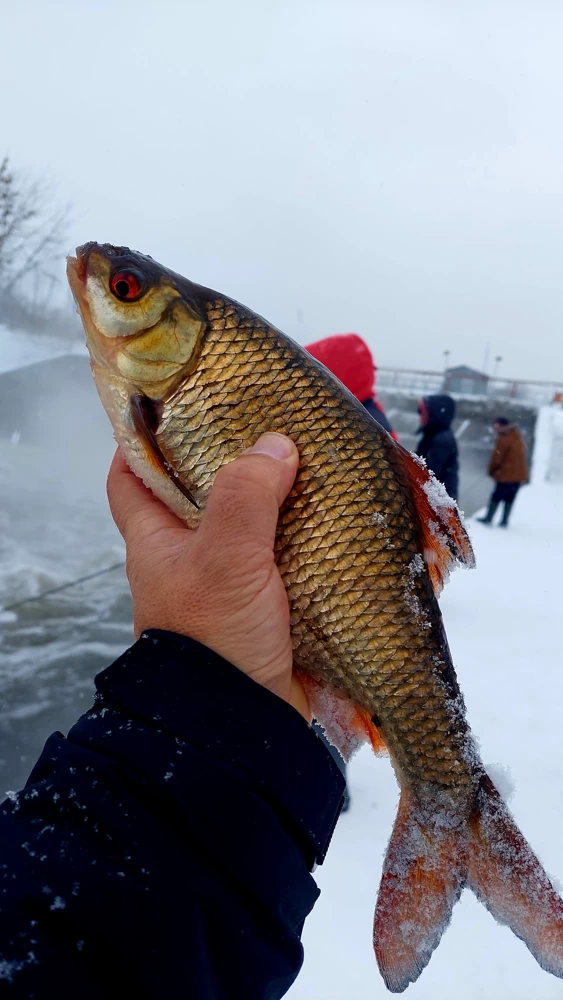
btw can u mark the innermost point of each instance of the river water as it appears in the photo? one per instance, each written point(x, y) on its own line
point(54, 527)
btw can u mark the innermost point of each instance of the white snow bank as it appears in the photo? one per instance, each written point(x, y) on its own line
point(502, 621)
point(548, 459)
point(18, 349)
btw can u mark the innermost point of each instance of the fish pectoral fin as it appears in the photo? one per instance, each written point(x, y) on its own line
point(145, 416)
point(347, 726)
point(423, 876)
point(442, 536)
point(506, 876)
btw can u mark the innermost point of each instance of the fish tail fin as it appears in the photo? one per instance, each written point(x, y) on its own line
point(428, 863)
point(506, 876)
point(423, 876)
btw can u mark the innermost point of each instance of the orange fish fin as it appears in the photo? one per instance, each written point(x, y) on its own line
point(363, 720)
point(346, 725)
point(423, 876)
point(442, 536)
point(506, 876)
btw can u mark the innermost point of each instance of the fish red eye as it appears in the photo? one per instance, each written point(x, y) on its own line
point(127, 285)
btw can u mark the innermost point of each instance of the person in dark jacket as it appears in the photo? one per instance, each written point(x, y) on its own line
point(508, 466)
point(348, 357)
point(164, 847)
point(438, 445)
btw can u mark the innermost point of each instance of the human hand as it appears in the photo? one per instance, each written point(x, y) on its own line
point(218, 584)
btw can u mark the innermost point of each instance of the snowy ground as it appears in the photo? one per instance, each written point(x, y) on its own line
point(503, 623)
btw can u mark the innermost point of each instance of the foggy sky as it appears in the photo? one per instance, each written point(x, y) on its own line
point(386, 167)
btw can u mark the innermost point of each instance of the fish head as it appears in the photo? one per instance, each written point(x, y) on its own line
point(143, 323)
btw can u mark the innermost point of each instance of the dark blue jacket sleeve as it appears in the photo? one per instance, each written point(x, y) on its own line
point(164, 848)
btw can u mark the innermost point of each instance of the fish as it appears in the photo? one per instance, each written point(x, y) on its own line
point(366, 539)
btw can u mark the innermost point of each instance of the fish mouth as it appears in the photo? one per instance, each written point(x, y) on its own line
point(77, 274)
point(76, 268)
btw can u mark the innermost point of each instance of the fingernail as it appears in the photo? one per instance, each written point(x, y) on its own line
point(275, 445)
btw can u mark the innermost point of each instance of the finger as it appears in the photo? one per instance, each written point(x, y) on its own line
point(247, 493)
point(134, 508)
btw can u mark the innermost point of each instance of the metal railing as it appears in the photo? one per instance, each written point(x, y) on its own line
point(423, 382)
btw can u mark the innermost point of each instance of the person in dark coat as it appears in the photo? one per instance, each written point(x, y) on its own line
point(163, 849)
point(508, 466)
point(348, 357)
point(438, 445)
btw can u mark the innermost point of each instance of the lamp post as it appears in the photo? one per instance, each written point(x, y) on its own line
point(498, 360)
point(446, 360)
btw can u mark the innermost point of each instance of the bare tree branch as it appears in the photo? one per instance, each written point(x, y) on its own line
point(32, 232)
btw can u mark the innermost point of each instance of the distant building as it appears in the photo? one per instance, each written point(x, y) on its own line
point(466, 381)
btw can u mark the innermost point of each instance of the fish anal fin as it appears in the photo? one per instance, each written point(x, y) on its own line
point(507, 877)
point(423, 876)
point(442, 537)
point(364, 721)
point(345, 723)
point(145, 416)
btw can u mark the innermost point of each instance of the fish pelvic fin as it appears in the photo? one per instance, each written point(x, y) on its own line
point(346, 725)
point(423, 876)
point(442, 537)
point(507, 877)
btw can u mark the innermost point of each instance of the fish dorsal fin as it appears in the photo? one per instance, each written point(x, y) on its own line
point(443, 540)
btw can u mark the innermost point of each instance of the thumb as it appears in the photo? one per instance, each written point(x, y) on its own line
point(247, 493)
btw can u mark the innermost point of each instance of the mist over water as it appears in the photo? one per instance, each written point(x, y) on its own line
point(55, 447)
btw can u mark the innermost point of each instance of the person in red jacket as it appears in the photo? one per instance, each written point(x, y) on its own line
point(348, 357)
